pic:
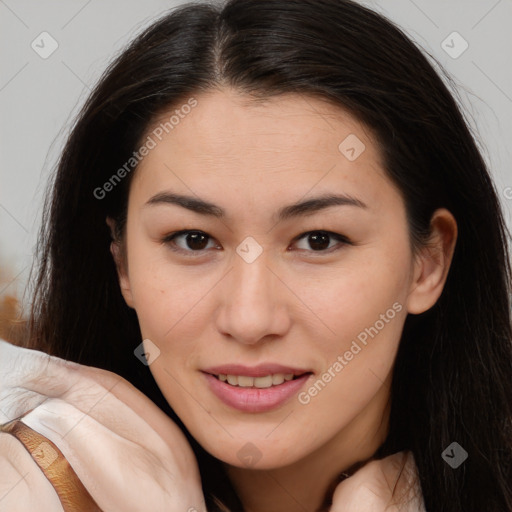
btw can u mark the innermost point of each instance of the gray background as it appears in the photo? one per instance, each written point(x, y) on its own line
point(39, 97)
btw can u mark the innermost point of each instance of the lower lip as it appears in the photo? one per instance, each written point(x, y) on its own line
point(255, 399)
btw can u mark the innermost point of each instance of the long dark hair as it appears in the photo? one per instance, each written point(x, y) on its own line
point(452, 379)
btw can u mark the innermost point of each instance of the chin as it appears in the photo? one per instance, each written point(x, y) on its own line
point(256, 453)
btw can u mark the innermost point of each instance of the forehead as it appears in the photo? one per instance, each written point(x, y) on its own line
point(226, 122)
point(287, 144)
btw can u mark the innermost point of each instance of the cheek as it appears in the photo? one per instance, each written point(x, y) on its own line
point(171, 303)
point(364, 295)
point(365, 307)
point(356, 363)
point(160, 295)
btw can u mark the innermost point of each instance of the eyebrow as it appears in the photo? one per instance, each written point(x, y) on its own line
point(298, 209)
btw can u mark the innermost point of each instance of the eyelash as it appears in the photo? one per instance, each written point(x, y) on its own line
point(169, 241)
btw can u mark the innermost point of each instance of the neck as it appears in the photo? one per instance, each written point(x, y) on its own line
point(304, 485)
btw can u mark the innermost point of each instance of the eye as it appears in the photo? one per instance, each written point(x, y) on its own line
point(320, 241)
point(194, 241)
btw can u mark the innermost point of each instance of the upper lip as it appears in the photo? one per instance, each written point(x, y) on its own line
point(260, 370)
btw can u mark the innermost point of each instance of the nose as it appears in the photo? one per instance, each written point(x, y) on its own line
point(253, 303)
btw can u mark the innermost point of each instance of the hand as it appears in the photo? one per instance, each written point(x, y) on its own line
point(128, 454)
point(371, 487)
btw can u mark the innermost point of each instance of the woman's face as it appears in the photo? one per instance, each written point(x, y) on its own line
point(262, 289)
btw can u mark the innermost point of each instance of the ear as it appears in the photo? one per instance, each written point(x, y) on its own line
point(433, 263)
point(122, 273)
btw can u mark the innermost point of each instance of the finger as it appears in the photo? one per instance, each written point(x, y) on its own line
point(34, 369)
point(105, 408)
point(28, 377)
point(23, 486)
point(31, 364)
point(135, 399)
point(96, 393)
point(25, 379)
point(23, 370)
point(117, 472)
point(72, 493)
point(105, 396)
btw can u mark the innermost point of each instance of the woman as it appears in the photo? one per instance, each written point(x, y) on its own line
point(284, 202)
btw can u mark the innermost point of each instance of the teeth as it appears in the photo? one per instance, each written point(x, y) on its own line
point(267, 381)
point(263, 382)
point(277, 379)
point(244, 382)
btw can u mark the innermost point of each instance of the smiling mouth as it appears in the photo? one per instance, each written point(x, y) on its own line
point(266, 381)
point(268, 388)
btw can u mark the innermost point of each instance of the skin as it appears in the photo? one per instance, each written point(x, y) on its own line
point(127, 453)
point(292, 305)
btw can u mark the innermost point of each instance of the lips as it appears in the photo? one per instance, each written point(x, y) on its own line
point(255, 371)
point(255, 389)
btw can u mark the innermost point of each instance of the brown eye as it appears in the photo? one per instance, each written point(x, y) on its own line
point(191, 241)
point(196, 241)
point(320, 241)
